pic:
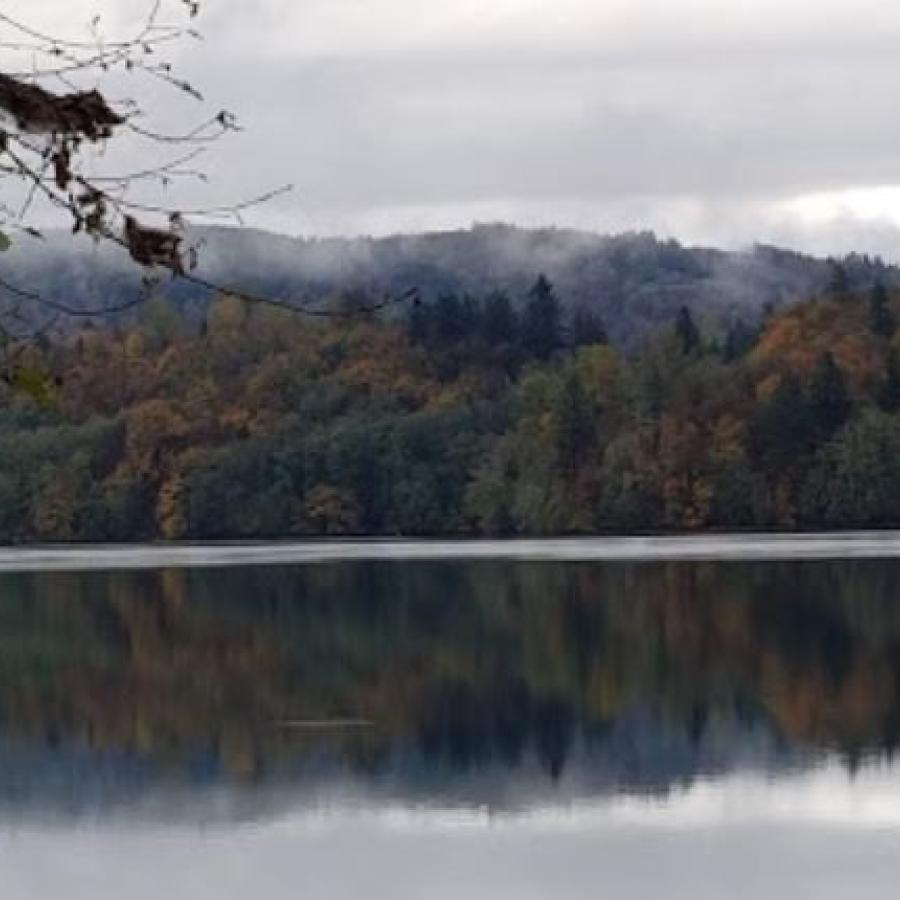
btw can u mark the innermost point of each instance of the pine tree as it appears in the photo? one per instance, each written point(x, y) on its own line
point(829, 401)
point(688, 334)
point(738, 341)
point(888, 397)
point(449, 320)
point(839, 281)
point(418, 322)
point(783, 429)
point(498, 320)
point(882, 320)
point(574, 431)
point(587, 328)
point(541, 321)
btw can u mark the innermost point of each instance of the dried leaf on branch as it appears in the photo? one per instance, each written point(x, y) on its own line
point(35, 110)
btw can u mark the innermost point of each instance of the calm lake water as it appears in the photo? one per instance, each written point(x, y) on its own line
point(533, 724)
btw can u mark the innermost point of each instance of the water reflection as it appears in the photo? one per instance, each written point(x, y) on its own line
point(497, 683)
point(451, 729)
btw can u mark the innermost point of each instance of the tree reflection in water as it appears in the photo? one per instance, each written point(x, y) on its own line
point(635, 676)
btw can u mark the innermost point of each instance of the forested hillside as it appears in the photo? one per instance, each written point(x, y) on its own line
point(636, 282)
point(469, 416)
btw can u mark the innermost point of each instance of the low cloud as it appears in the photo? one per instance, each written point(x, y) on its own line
point(695, 117)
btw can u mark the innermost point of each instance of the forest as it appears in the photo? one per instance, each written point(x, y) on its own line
point(466, 415)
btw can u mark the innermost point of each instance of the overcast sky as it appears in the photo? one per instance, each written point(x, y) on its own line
point(716, 121)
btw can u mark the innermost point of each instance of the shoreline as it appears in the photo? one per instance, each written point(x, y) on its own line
point(692, 548)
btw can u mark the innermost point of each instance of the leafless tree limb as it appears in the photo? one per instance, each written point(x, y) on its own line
point(44, 133)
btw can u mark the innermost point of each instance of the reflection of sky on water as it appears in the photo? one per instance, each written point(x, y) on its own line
point(821, 833)
point(534, 729)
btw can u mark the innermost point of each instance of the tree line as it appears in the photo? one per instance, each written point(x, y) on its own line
point(489, 415)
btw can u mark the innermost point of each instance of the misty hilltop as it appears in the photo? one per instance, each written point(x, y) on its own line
point(633, 281)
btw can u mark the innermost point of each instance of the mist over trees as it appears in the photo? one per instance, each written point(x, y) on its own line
point(631, 284)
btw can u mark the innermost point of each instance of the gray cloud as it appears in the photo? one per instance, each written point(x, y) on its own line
point(391, 114)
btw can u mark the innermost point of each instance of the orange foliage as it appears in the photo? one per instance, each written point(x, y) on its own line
point(797, 339)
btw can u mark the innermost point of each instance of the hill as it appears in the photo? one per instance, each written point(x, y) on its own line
point(633, 281)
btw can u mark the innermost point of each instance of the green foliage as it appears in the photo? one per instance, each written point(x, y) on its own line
point(541, 321)
point(782, 427)
point(500, 323)
point(587, 328)
point(857, 480)
point(829, 400)
point(35, 383)
point(457, 421)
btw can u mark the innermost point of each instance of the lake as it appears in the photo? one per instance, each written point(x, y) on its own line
point(680, 719)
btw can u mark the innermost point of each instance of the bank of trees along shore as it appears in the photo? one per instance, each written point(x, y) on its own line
point(466, 416)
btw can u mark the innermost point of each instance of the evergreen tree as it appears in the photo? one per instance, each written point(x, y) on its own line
point(498, 320)
point(688, 334)
point(738, 341)
point(829, 401)
point(783, 430)
point(839, 281)
point(882, 320)
point(418, 322)
point(541, 321)
point(449, 320)
point(574, 429)
point(469, 317)
point(888, 397)
point(587, 328)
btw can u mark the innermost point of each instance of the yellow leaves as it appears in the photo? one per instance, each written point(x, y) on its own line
point(687, 500)
point(56, 508)
point(767, 386)
point(153, 429)
point(170, 516)
point(728, 437)
point(135, 344)
point(227, 316)
point(599, 369)
point(378, 362)
point(35, 383)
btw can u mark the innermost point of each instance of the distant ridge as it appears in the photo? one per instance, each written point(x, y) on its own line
point(634, 280)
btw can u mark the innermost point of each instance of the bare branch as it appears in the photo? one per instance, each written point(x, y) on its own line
point(42, 143)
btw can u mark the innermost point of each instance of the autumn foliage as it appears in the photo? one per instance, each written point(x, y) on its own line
point(463, 416)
